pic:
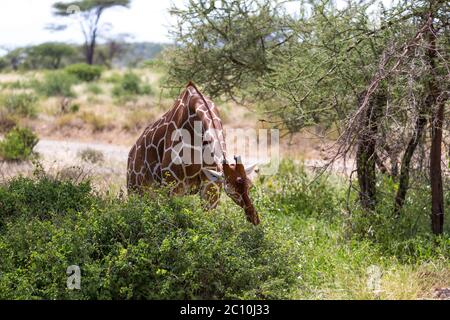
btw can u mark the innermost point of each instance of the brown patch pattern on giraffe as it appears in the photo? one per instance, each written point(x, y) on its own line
point(156, 157)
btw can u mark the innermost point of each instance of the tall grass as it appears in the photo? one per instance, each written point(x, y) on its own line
point(21, 104)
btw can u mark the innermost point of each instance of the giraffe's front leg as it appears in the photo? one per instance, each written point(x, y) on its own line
point(210, 193)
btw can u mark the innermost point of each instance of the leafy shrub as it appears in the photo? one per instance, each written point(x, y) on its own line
point(140, 248)
point(407, 236)
point(130, 84)
point(84, 72)
point(57, 83)
point(146, 89)
point(23, 104)
point(295, 194)
point(27, 197)
point(18, 144)
point(155, 247)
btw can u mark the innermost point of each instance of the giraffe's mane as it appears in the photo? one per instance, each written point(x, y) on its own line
point(191, 84)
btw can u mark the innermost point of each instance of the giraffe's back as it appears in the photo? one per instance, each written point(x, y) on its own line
point(151, 158)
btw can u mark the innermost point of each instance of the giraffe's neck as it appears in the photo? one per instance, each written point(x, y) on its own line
point(205, 113)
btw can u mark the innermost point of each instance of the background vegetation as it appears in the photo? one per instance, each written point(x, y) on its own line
point(358, 82)
point(161, 248)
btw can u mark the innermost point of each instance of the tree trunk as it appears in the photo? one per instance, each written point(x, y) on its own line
point(437, 120)
point(437, 192)
point(90, 50)
point(365, 167)
point(365, 154)
point(403, 184)
point(93, 36)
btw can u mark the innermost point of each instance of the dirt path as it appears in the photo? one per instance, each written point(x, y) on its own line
point(57, 154)
point(67, 152)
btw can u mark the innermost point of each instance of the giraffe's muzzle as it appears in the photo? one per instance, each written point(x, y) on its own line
point(250, 211)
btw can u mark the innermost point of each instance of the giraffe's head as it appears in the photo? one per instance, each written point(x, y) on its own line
point(237, 184)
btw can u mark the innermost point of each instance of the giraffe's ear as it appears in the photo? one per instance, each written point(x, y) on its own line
point(249, 169)
point(213, 175)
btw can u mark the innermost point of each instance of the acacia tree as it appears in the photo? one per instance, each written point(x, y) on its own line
point(309, 69)
point(49, 55)
point(15, 57)
point(88, 14)
point(379, 79)
point(226, 45)
point(423, 59)
point(324, 76)
point(437, 97)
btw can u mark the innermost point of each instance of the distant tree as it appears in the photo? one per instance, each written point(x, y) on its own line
point(16, 57)
point(88, 14)
point(114, 47)
point(49, 55)
point(3, 63)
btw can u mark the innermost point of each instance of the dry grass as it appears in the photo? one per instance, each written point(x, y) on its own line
point(92, 156)
point(407, 282)
point(102, 118)
point(69, 121)
point(7, 121)
point(97, 122)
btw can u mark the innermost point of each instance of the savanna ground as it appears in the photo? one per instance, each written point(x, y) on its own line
point(69, 207)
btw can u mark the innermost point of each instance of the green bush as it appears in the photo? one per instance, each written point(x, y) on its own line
point(140, 248)
point(18, 144)
point(23, 104)
point(84, 72)
point(295, 192)
point(57, 83)
point(408, 236)
point(29, 198)
point(153, 247)
point(130, 84)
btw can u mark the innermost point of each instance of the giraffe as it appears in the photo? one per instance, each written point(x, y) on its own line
point(159, 158)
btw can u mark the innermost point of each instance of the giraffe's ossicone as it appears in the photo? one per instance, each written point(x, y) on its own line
point(185, 149)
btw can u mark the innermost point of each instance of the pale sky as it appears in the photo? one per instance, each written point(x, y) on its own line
point(23, 22)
